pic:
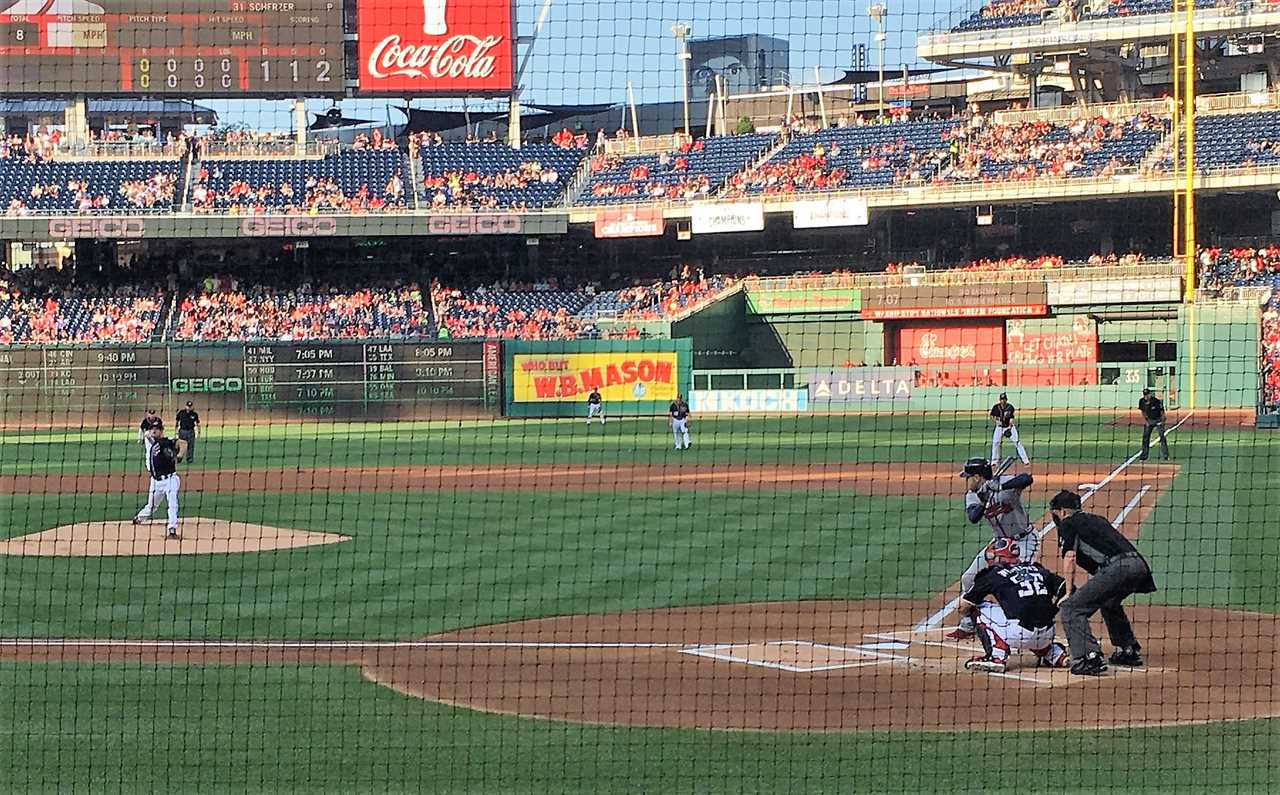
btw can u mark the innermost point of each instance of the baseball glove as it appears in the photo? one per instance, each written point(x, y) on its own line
point(1008, 432)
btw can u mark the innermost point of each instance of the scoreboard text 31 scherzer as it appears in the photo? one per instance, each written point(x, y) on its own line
point(192, 48)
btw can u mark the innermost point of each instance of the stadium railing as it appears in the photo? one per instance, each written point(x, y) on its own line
point(274, 147)
point(140, 149)
point(1071, 272)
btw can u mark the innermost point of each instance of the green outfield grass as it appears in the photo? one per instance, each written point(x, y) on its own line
point(420, 563)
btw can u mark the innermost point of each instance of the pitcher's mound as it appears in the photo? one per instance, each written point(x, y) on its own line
point(198, 536)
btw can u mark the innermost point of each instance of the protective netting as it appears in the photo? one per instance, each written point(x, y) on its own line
point(804, 414)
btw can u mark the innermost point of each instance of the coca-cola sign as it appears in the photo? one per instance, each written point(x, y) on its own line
point(413, 47)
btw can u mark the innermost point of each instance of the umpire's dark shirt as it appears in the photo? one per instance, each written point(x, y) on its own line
point(1094, 540)
point(188, 419)
point(1152, 409)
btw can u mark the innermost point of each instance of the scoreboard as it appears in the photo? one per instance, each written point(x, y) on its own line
point(76, 377)
point(324, 376)
point(157, 47)
point(310, 378)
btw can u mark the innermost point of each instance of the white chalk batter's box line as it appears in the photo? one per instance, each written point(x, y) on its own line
point(721, 651)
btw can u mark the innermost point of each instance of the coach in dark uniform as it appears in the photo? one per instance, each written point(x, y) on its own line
point(188, 429)
point(1116, 571)
point(1152, 409)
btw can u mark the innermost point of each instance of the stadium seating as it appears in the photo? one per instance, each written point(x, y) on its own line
point(870, 156)
point(694, 171)
point(68, 186)
point(1236, 138)
point(228, 312)
point(493, 175)
point(350, 181)
point(80, 315)
point(1027, 150)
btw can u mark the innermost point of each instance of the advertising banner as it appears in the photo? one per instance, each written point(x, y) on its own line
point(993, 299)
point(787, 302)
point(415, 47)
point(713, 218)
point(743, 401)
point(630, 222)
point(953, 355)
point(1116, 291)
point(861, 383)
point(1052, 349)
point(548, 379)
point(821, 213)
point(281, 226)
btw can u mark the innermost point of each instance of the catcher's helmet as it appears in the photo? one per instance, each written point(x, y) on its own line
point(977, 466)
point(1002, 552)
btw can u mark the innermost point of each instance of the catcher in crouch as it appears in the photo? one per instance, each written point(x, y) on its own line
point(1021, 617)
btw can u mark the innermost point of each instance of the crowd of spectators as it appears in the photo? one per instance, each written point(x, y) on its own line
point(457, 188)
point(983, 151)
point(485, 313)
point(1259, 267)
point(319, 194)
point(80, 313)
point(665, 299)
point(223, 309)
point(665, 176)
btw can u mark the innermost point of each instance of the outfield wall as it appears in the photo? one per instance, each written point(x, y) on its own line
point(1052, 361)
point(110, 385)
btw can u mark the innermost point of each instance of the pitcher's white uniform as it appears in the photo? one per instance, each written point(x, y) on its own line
point(164, 480)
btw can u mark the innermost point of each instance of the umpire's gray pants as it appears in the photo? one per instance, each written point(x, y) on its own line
point(1147, 428)
point(1103, 592)
point(190, 438)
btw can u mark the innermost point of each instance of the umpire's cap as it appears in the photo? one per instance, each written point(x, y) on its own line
point(977, 466)
point(1065, 499)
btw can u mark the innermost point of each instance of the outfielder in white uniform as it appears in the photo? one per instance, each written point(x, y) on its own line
point(595, 406)
point(680, 423)
point(999, 501)
point(1002, 415)
point(162, 457)
point(1022, 617)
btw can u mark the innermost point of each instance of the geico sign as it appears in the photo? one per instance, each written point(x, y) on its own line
point(208, 385)
point(288, 226)
point(474, 225)
point(97, 227)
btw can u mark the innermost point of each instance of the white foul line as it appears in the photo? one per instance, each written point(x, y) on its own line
point(934, 620)
point(1129, 506)
point(328, 644)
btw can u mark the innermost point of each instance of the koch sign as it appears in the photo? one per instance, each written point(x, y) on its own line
point(862, 383)
point(748, 401)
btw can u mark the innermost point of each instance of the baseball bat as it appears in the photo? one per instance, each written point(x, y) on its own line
point(1004, 466)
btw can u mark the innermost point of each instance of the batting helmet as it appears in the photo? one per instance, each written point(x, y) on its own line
point(977, 466)
point(1002, 552)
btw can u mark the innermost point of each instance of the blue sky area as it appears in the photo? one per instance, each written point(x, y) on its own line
point(589, 50)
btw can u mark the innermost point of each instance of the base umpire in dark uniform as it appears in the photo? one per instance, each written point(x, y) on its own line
point(188, 429)
point(1152, 409)
point(1116, 571)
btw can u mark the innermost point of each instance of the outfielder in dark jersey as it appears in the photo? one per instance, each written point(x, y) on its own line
point(679, 412)
point(595, 406)
point(1022, 611)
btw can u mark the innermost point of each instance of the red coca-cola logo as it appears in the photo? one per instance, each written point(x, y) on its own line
point(435, 46)
point(457, 57)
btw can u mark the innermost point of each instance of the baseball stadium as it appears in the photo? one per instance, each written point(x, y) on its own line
point(481, 396)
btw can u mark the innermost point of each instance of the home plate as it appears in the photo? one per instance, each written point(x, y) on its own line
point(800, 656)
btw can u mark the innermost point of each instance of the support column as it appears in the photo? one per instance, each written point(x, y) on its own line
point(76, 118)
